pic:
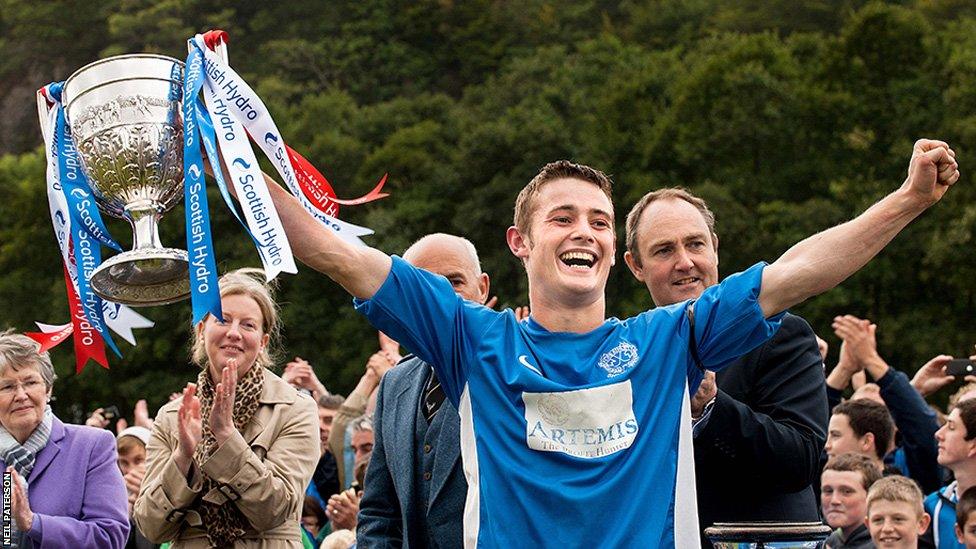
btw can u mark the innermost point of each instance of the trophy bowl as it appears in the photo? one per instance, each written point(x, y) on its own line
point(125, 121)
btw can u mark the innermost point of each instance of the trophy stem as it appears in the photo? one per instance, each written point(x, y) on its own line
point(145, 226)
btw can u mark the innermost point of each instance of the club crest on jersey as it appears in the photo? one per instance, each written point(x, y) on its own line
point(619, 359)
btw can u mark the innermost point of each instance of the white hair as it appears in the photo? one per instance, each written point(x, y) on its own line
point(434, 237)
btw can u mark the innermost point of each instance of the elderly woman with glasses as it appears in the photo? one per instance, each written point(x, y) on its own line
point(228, 463)
point(66, 490)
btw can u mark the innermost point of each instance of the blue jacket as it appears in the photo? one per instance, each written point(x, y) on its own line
point(392, 512)
point(941, 505)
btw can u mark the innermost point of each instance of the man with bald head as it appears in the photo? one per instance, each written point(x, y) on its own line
point(415, 488)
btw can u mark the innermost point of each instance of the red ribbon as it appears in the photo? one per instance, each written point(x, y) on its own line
point(213, 38)
point(319, 191)
point(89, 344)
point(49, 340)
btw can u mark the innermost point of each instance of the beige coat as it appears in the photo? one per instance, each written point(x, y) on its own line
point(265, 471)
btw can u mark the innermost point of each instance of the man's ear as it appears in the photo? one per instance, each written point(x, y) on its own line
point(715, 242)
point(484, 284)
point(517, 242)
point(635, 269)
point(867, 444)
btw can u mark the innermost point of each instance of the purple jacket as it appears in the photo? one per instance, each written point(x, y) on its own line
point(76, 490)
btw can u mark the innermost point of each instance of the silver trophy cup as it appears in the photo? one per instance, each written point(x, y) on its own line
point(124, 115)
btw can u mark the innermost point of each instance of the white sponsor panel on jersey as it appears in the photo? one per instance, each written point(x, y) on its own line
point(586, 423)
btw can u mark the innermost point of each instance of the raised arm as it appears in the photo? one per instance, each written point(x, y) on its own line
point(361, 270)
point(826, 259)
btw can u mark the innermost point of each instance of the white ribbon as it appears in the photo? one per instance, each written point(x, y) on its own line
point(246, 107)
point(245, 175)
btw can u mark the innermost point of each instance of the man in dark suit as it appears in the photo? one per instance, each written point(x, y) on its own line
point(415, 488)
point(760, 424)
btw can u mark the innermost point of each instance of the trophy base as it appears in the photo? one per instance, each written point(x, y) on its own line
point(144, 277)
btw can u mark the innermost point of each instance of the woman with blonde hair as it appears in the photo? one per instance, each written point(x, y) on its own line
point(228, 462)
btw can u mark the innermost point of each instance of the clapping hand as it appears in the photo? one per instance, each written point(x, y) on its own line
point(19, 504)
point(389, 346)
point(133, 482)
point(299, 373)
point(222, 413)
point(342, 509)
point(859, 335)
point(97, 420)
point(378, 364)
point(706, 392)
point(141, 415)
point(190, 428)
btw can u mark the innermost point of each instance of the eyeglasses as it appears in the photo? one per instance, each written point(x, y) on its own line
point(30, 386)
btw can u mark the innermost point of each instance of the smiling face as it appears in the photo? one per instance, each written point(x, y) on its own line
point(678, 253)
point(23, 397)
point(843, 499)
point(240, 336)
point(570, 245)
point(895, 524)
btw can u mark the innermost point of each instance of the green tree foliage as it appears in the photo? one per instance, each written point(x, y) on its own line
point(788, 117)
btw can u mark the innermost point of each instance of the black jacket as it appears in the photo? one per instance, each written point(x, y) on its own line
point(759, 451)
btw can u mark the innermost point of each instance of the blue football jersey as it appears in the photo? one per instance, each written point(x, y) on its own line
point(569, 439)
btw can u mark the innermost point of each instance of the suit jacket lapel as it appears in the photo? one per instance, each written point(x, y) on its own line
point(401, 455)
point(448, 447)
point(50, 450)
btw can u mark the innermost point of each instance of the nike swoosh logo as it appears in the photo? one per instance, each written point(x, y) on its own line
point(525, 362)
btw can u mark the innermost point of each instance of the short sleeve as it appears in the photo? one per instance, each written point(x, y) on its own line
point(421, 311)
point(729, 321)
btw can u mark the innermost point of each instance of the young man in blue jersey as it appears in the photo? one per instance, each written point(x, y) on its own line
point(571, 424)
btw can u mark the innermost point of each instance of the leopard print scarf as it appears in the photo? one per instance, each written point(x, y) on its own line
point(225, 523)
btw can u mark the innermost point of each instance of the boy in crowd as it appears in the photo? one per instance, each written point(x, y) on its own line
point(131, 445)
point(966, 519)
point(844, 487)
point(895, 514)
point(957, 452)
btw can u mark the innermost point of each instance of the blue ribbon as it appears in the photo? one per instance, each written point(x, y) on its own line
point(87, 252)
point(84, 211)
point(204, 292)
